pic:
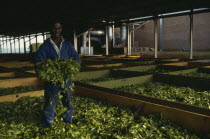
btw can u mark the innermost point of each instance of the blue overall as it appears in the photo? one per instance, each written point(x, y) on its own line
point(47, 51)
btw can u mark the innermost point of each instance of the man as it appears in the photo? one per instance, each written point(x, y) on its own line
point(53, 48)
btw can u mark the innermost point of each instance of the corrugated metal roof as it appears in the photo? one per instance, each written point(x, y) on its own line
point(35, 16)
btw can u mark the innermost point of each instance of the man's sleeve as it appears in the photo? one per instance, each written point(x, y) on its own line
point(74, 53)
point(40, 56)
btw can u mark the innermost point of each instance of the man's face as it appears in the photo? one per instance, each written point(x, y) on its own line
point(56, 30)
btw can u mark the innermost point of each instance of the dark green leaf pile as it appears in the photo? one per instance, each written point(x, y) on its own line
point(158, 70)
point(58, 71)
point(197, 74)
point(169, 92)
point(113, 67)
point(3, 78)
point(93, 119)
point(24, 69)
point(92, 81)
point(3, 70)
point(144, 63)
point(19, 89)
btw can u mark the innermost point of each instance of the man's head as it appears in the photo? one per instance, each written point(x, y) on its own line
point(56, 30)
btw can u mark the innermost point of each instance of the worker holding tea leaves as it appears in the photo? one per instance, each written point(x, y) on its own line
point(56, 48)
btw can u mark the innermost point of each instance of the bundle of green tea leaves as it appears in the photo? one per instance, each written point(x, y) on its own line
point(59, 72)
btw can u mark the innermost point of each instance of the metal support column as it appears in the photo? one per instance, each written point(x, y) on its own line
point(14, 46)
point(36, 42)
point(133, 33)
point(29, 37)
point(1, 45)
point(161, 35)
point(191, 36)
point(89, 43)
point(4, 42)
point(24, 39)
point(19, 43)
point(43, 36)
point(30, 46)
point(7, 45)
point(10, 40)
point(75, 40)
point(85, 42)
point(155, 37)
point(113, 37)
point(128, 39)
point(107, 41)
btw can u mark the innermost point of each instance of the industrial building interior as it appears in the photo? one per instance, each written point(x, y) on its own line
point(144, 71)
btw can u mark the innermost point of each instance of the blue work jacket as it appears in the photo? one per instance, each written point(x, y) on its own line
point(47, 51)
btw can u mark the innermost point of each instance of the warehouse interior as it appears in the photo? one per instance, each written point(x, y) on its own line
point(144, 71)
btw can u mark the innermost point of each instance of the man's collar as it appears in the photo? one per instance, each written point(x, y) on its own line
point(62, 39)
